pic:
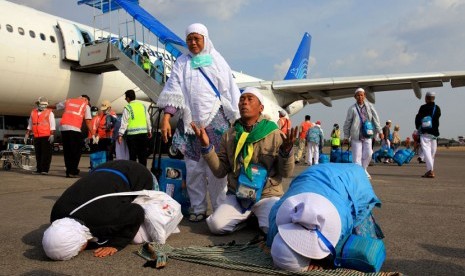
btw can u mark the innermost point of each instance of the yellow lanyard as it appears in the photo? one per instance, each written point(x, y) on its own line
point(239, 146)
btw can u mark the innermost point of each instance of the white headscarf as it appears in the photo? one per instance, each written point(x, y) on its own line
point(199, 28)
point(188, 89)
point(64, 239)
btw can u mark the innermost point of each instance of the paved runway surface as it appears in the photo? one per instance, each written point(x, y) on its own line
point(423, 220)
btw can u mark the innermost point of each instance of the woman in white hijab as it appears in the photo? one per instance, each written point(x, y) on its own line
point(201, 87)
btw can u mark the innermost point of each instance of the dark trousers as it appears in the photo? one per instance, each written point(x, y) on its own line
point(105, 144)
point(43, 150)
point(72, 143)
point(138, 146)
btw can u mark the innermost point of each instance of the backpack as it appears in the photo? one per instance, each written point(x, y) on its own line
point(314, 135)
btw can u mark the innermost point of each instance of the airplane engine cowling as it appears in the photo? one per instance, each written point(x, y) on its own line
point(295, 107)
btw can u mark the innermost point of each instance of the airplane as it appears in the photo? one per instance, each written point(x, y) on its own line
point(36, 57)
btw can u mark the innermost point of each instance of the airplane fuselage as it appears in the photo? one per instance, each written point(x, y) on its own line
point(37, 51)
point(32, 63)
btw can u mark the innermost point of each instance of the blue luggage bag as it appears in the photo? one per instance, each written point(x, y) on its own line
point(324, 158)
point(336, 155)
point(403, 156)
point(97, 158)
point(412, 154)
point(172, 181)
point(346, 157)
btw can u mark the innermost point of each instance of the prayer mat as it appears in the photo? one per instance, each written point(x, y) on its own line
point(250, 257)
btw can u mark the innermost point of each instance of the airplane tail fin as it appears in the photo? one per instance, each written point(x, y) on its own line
point(299, 65)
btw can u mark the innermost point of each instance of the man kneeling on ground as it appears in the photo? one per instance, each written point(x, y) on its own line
point(252, 145)
point(108, 224)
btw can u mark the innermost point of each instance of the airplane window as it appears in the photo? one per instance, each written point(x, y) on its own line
point(52, 39)
point(32, 34)
point(42, 36)
point(9, 28)
point(21, 31)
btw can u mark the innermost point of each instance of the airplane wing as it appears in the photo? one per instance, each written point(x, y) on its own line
point(325, 90)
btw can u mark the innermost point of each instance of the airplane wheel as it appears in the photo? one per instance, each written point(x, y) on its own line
point(6, 165)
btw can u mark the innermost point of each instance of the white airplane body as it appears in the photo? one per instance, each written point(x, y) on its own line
point(31, 67)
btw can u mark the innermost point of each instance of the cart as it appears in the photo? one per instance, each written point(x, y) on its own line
point(19, 155)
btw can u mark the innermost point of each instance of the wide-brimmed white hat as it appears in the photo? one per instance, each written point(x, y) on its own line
point(299, 216)
point(105, 105)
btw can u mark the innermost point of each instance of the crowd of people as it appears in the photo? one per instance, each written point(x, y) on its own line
point(232, 152)
point(99, 128)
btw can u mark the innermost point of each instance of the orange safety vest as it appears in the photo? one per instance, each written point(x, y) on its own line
point(41, 123)
point(94, 125)
point(75, 110)
point(305, 125)
point(102, 128)
point(285, 124)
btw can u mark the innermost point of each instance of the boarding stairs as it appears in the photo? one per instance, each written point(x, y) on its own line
point(105, 57)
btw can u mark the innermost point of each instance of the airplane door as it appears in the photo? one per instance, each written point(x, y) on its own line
point(72, 40)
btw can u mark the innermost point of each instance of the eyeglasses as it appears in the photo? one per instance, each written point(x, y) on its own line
point(197, 39)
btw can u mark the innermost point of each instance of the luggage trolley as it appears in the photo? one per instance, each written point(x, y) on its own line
point(17, 154)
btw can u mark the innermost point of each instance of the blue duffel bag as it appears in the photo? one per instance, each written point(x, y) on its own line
point(412, 154)
point(336, 155)
point(346, 157)
point(400, 157)
point(403, 156)
point(324, 158)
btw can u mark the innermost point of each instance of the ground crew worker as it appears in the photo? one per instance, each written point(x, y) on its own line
point(335, 137)
point(94, 124)
point(42, 125)
point(75, 111)
point(284, 123)
point(146, 63)
point(104, 131)
point(136, 121)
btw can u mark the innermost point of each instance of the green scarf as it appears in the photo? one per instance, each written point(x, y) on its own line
point(244, 141)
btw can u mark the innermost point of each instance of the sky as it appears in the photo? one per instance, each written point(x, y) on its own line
point(349, 38)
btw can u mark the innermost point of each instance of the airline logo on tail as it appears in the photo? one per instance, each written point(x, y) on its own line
point(299, 65)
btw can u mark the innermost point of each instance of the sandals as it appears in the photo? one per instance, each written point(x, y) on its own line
point(197, 217)
point(429, 174)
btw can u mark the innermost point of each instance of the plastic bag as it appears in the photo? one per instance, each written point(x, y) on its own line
point(162, 215)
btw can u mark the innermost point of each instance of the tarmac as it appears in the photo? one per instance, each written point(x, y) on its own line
point(423, 221)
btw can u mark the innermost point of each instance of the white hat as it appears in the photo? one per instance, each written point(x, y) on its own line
point(359, 90)
point(297, 218)
point(286, 258)
point(430, 94)
point(43, 100)
point(64, 239)
point(105, 105)
point(197, 28)
point(256, 92)
point(201, 29)
point(388, 121)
